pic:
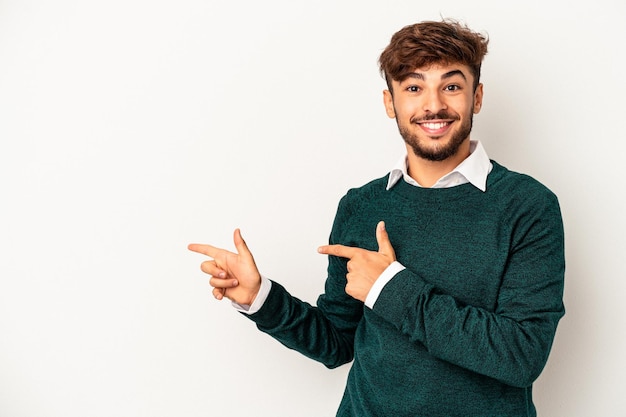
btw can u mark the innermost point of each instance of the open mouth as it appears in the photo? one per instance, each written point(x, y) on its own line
point(437, 128)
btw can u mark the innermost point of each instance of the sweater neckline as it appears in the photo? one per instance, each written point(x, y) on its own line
point(437, 195)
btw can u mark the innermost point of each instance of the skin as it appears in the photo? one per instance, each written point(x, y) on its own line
point(233, 275)
point(364, 266)
point(428, 92)
point(433, 108)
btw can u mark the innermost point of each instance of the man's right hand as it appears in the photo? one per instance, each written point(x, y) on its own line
point(233, 275)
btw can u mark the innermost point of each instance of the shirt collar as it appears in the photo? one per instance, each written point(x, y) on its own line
point(474, 169)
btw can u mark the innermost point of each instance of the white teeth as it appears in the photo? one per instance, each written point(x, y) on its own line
point(434, 126)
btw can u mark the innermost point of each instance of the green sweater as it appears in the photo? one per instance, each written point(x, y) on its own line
point(466, 328)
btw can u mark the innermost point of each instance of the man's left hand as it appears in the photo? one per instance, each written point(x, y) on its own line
point(364, 266)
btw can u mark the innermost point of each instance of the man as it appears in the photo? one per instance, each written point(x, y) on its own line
point(445, 277)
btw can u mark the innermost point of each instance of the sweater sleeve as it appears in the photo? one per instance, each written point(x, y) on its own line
point(324, 332)
point(511, 343)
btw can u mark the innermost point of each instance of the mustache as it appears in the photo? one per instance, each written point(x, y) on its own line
point(435, 116)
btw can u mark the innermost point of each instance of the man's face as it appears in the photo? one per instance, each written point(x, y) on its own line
point(434, 107)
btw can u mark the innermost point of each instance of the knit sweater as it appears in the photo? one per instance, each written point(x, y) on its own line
point(466, 328)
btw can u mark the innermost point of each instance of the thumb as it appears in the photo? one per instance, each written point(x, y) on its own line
point(384, 244)
point(240, 244)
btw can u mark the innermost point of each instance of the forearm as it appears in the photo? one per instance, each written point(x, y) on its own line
point(510, 349)
point(304, 328)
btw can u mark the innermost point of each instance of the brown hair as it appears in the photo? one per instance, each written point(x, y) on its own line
point(427, 43)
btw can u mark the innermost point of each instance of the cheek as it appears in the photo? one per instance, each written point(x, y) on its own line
point(404, 110)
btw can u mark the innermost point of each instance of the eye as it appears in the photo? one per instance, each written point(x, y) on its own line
point(452, 87)
point(413, 89)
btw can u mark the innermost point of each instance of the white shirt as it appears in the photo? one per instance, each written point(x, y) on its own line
point(474, 169)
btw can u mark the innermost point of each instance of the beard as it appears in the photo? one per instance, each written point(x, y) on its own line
point(439, 152)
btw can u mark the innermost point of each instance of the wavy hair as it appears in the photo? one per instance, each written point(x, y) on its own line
point(432, 43)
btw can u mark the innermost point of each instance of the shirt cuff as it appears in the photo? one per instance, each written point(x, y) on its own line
point(380, 283)
point(264, 291)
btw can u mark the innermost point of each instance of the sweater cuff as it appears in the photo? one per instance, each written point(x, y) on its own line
point(400, 296)
point(380, 283)
point(270, 314)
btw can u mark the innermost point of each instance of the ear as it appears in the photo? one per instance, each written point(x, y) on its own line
point(478, 98)
point(388, 101)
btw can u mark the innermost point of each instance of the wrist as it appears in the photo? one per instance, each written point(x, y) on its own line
point(258, 298)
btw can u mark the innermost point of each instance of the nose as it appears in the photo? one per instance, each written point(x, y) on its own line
point(433, 102)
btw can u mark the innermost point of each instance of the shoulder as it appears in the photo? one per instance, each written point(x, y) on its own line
point(364, 194)
point(524, 199)
point(515, 184)
point(356, 206)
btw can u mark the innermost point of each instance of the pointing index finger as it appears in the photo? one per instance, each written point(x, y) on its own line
point(338, 250)
point(204, 249)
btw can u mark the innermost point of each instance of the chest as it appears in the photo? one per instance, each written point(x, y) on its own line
point(462, 252)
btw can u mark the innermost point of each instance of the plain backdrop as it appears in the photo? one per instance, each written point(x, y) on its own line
point(130, 128)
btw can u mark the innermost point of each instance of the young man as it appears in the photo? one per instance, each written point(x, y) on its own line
point(445, 277)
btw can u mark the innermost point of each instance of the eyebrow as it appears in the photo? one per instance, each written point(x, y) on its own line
point(449, 74)
point(453, 73)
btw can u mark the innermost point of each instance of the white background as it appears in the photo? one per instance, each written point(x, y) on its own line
point(130, 128)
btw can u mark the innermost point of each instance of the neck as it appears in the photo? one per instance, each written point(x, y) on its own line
point(427, 172)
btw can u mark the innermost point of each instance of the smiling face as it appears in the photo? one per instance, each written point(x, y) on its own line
point(433, 108)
